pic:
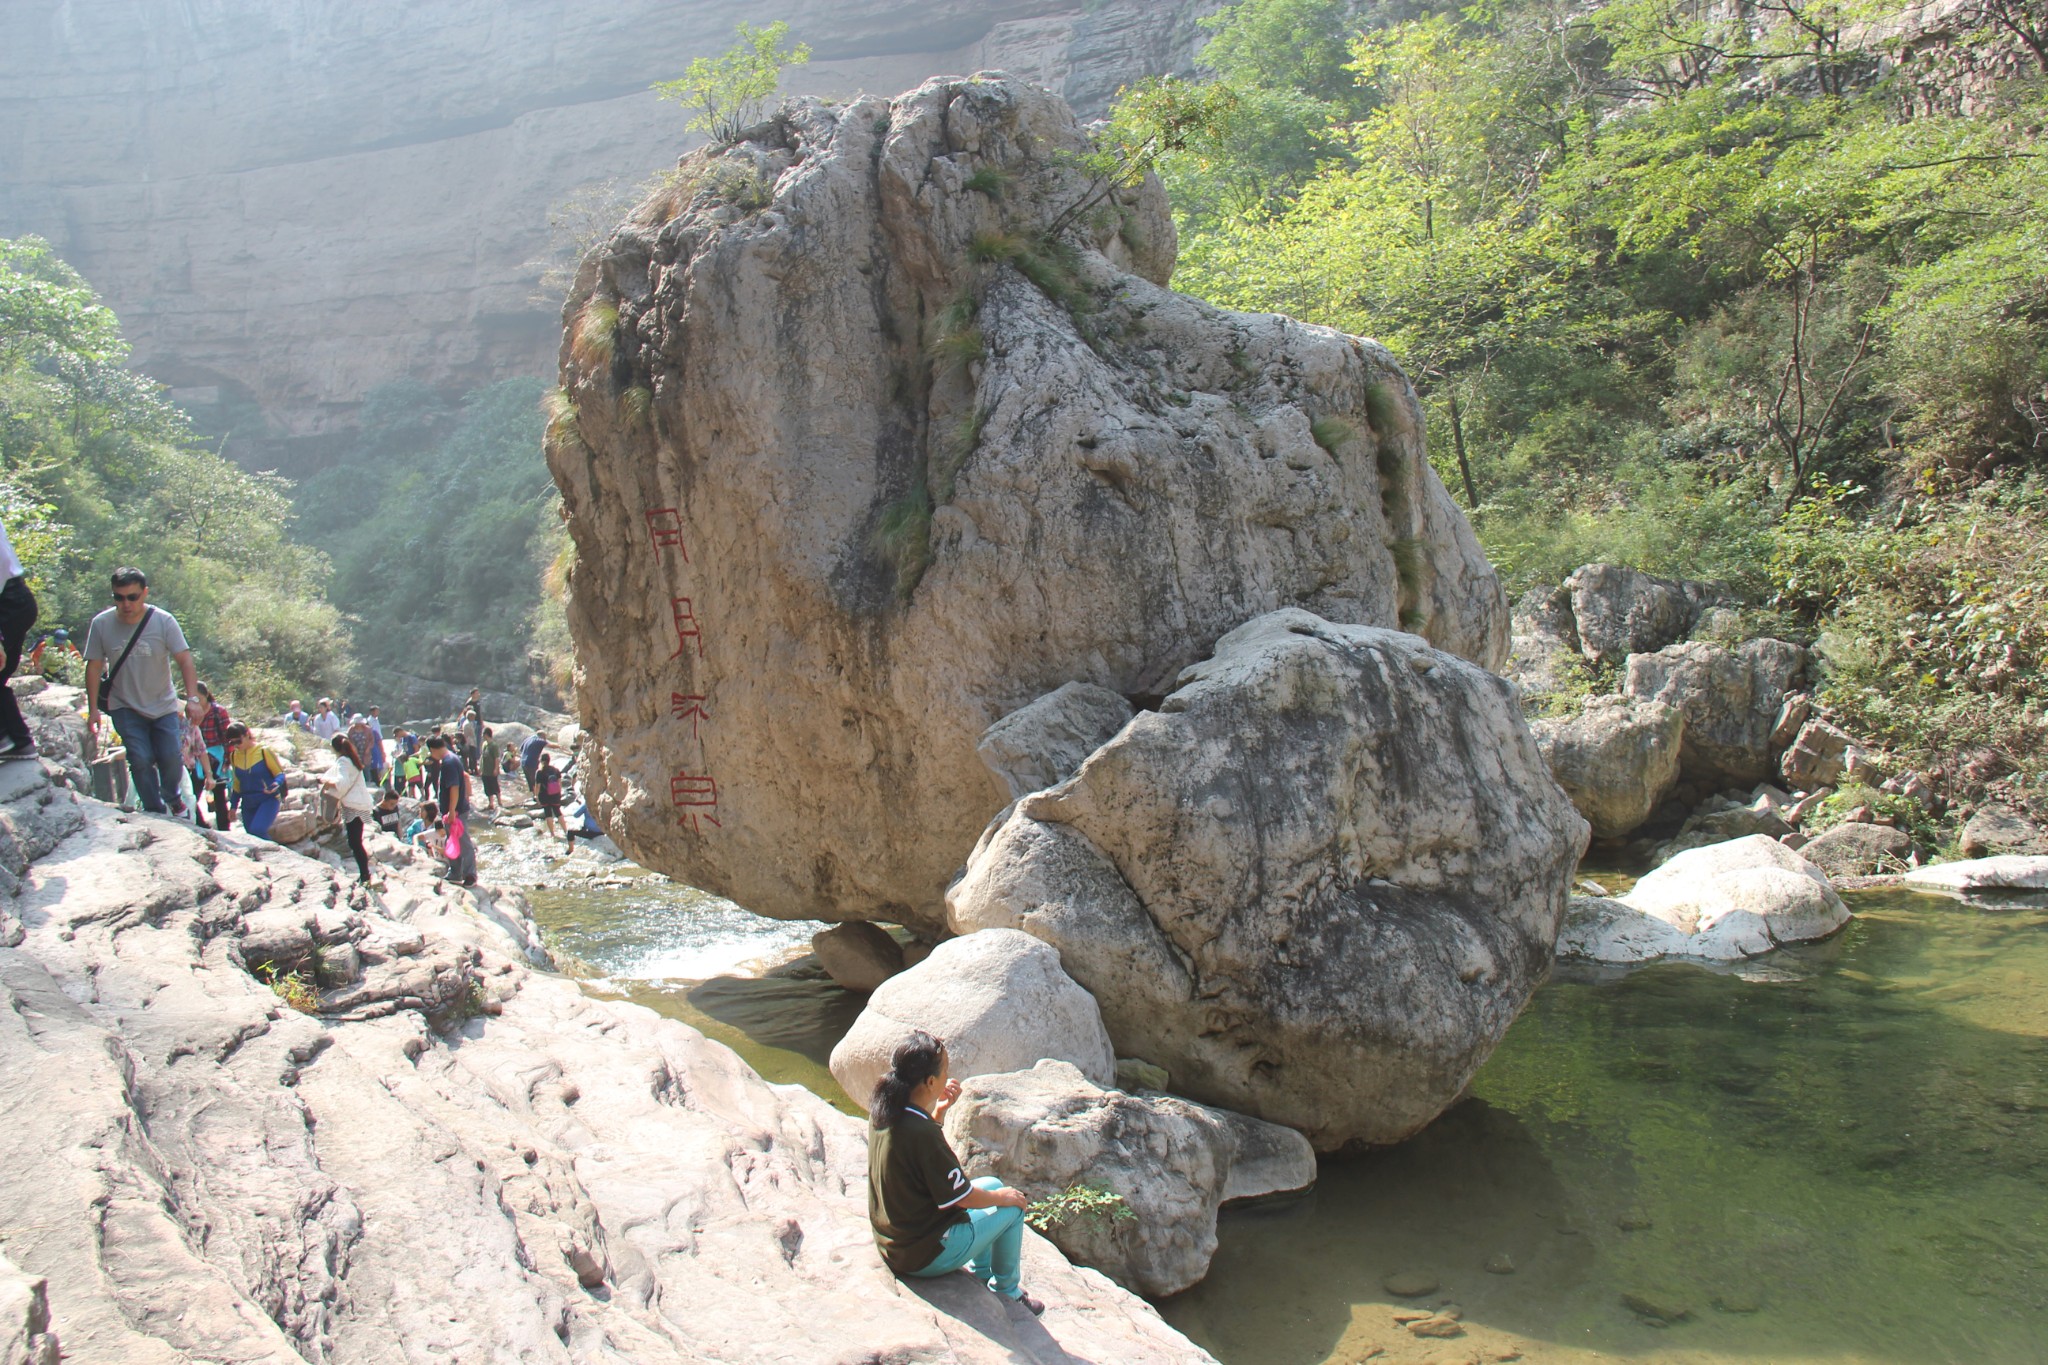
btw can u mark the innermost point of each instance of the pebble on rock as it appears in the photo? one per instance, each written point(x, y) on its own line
point(1659, 1311)
point(1500, 1263)
point(1436, 1326)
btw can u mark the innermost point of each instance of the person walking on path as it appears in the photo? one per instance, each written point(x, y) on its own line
point(326, 723)
point(529, 760)
point(487, 770)
point(17, 619)
point(136, 690)
point(351, 791)
point(213, 728)
point(929, 1219)
point(451, 797)
point(259, 780)
point(197, 759)
point(546, 785)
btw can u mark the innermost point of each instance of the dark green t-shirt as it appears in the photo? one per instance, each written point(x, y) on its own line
point(915, 1186)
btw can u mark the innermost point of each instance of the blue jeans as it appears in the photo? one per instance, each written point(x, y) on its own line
point(153, 755)
point(990, 1243)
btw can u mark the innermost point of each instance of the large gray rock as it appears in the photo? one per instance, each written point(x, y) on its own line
point(1817, 756)
point(1719, 903)
point(1172, 1162)
point(1617, 759)
point(1995, 830)
point(1316, 885)
point(998, 1000)
point(1618, 611)
point(934, 490)
point(1543, 646)
point(1857, 850)
point(1731, 699)
point(1043, 742)
point(193, 1169)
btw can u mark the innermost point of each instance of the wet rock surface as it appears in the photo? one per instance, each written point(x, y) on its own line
point(861, 461)
point(1316, 885)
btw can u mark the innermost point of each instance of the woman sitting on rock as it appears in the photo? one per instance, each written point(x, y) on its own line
point(929, 1219)
point(259, 780)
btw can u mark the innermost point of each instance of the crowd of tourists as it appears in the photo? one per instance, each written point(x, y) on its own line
point(188, 757)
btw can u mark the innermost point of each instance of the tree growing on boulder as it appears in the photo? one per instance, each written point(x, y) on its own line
point(731, 92)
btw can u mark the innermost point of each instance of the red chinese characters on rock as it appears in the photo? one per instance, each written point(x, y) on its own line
point(687, 627)
point(696, 798)
point(665, 527)
point(691, 709)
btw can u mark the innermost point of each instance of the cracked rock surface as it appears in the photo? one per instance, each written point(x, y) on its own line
point(453, 1157)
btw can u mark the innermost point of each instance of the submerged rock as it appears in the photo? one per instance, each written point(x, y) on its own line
point(873, 431)
point(1617, 759)
point(1172, 1162)
point(999, 1001)
point(1717, 903)
point(1316, 885)
point(1731, 699)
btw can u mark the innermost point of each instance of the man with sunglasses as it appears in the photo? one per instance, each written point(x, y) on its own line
point(136, 644)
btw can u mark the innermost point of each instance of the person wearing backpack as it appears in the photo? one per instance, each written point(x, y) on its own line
point(259, 780)
point(137, 692)
point(547, 790)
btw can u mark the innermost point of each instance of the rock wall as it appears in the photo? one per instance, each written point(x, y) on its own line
point(289, 202)
point(451, 1155)
point(855, 464)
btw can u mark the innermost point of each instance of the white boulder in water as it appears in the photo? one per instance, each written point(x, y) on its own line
point(2008, 872)
point(1719, 903)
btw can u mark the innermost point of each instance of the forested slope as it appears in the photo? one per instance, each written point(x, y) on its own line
point(1755, 294)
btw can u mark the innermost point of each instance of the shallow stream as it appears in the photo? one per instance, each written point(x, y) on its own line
point(1839, 1155)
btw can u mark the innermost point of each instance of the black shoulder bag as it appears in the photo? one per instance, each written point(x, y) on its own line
point(107, 683)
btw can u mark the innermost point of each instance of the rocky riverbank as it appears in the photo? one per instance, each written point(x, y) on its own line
point(258, 1113)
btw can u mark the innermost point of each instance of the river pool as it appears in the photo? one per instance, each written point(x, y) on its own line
point(1838, 1155)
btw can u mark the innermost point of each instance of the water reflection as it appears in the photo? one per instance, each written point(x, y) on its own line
point(1843, 1165)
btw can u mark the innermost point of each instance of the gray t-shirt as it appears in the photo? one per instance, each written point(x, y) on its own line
point(144, 683)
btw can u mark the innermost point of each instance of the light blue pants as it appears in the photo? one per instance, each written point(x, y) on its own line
point(990, 1243)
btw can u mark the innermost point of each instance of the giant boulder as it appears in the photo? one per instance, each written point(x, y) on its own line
point(1316, 885)
point(1731, 699)
point(882, 422)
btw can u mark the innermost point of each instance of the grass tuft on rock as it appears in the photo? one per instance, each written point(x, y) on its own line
point(636, 405)
point(594, 337)
point(992, 181)
point(1330, 432)
point(564, 430)
point(903, 539)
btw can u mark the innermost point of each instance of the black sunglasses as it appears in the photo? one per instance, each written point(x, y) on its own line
point(127, 597)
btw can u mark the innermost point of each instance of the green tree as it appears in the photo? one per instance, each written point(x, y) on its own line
point(731, 92)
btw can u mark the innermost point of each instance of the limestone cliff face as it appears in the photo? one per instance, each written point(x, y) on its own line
point(289, 202)
point(857, 465)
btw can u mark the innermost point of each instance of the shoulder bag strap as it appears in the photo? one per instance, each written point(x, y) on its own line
point(108, 681)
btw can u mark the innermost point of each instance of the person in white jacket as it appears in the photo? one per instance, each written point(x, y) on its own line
point(351, 791)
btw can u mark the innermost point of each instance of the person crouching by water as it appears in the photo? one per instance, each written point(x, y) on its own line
point(258, 778)
point(929, 1218)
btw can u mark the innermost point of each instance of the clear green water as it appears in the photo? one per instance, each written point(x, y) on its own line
point(1853, 1158)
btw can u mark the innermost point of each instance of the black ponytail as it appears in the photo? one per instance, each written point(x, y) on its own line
point(916, 1060)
